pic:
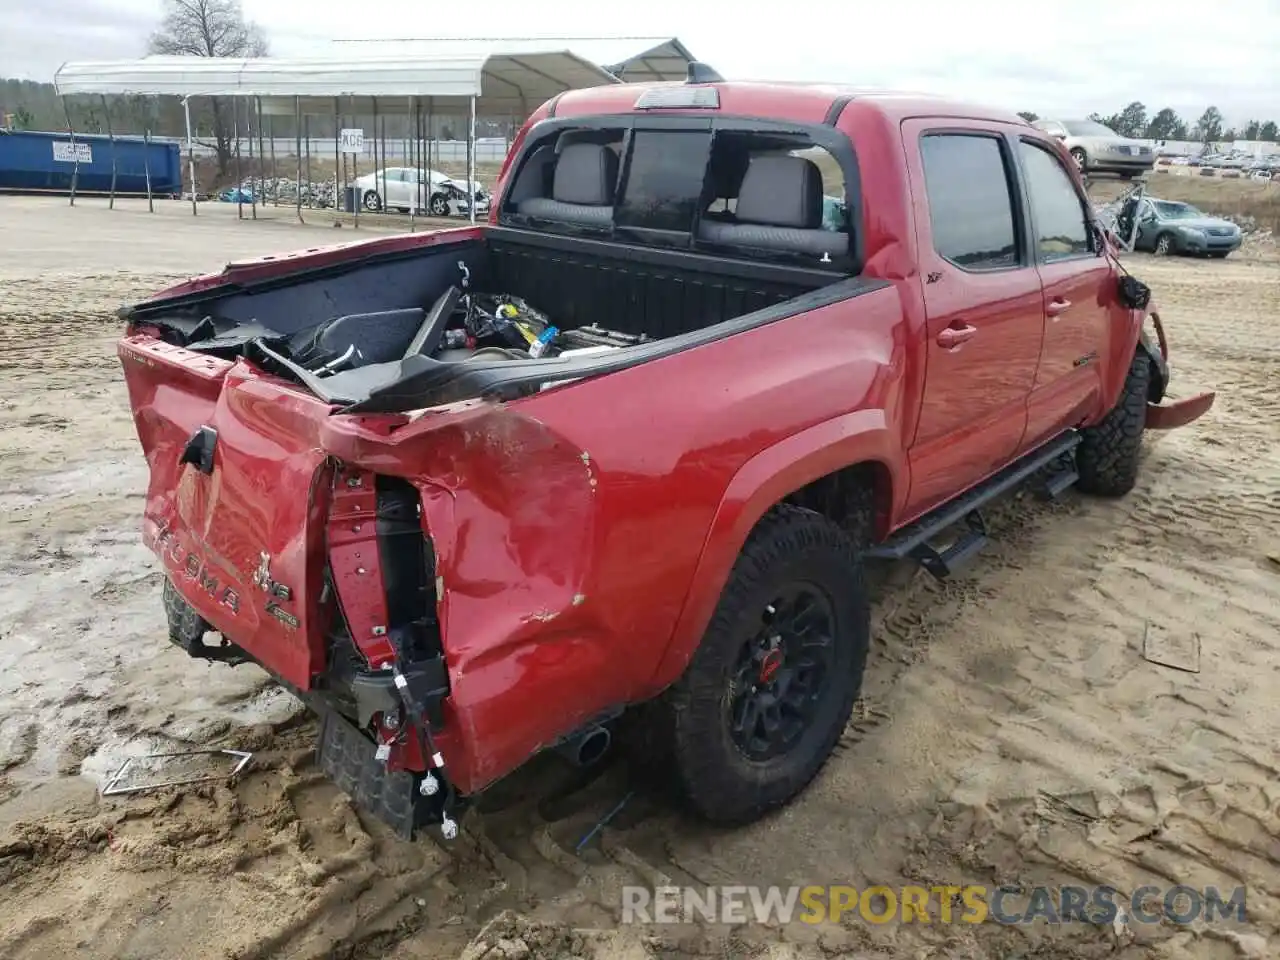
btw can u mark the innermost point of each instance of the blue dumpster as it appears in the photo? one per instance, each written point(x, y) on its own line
point(31, 160)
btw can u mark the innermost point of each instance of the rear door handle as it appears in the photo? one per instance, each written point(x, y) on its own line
point(1057, 307)
point(954, 336)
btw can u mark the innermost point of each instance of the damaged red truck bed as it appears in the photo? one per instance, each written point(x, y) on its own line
point(631, 444)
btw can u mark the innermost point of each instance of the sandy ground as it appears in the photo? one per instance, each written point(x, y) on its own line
point(1011, 730)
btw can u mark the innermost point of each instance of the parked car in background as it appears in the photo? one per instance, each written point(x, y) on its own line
point(1166, 227)
point(1097, 148)
point(236, 195)
point(430, 191)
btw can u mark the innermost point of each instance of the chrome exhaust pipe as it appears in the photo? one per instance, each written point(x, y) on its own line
point(585, 748)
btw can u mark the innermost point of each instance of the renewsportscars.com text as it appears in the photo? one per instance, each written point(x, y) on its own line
point(936, 904)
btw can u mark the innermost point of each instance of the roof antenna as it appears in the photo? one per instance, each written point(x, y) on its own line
point(702, 73)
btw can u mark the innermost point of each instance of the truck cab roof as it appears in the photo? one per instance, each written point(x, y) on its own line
point(801, 102)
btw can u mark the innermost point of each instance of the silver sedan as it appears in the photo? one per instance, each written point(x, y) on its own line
point(1099, 149)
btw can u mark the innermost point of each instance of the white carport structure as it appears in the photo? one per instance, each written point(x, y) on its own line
point(660, 59)
point(665, 61)
point(494, 79)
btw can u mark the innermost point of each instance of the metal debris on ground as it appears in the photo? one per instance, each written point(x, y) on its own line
point(603, 822)
point(1166, 651)
point(187, 772)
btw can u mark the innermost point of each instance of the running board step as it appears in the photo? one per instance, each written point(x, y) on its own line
point(943, 563)
point(1060, 482)
point(912, 541)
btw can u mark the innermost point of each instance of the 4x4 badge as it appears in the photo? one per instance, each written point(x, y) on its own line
point(262, 579)
point(262, 576)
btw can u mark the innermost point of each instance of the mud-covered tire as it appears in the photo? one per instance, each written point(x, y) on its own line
point(1107, 458)
point(186, 627)
point(790, 548)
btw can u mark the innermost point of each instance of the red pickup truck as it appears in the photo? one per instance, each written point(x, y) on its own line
point(631, 443)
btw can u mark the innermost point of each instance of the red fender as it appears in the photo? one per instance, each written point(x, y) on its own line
point(862, 436)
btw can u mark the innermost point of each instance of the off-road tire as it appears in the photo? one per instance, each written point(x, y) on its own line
point(719, 781)
point(186, 627)
point(1107, 458)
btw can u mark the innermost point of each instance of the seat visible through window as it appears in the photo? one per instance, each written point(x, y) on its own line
point(779, 207)
point(583, 184)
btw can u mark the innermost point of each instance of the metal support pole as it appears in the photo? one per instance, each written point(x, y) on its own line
point(297, 131)
point(75, 156)
point(382, 192)
point(355, 173)
point(262, 156)
point(423, 185)
point(471, 160)
point(412, 160)
point(431, 107)
point(191, 157)
point(339, 182)
point(381, 133)
point(253, 177)
point(111, 198)
point(146, 167)
point(235, 132)
point(306, 129)
point(275, 171)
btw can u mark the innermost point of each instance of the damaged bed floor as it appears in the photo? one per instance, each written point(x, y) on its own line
point(1011, 730)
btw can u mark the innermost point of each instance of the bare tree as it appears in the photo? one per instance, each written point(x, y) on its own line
point(210, 28)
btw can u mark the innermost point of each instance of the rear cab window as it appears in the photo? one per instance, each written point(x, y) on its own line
point(743, 189)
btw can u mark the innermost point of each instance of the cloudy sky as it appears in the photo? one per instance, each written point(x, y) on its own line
point(1054, 58)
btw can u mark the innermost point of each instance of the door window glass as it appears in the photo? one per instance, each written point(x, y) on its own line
point(970, 204)
point(1060, 224)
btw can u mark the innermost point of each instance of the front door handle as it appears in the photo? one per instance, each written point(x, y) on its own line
point(954, 336)
point(1057, 307)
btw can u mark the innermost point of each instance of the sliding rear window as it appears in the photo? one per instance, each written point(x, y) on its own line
point(736, 187)
point(663, 180)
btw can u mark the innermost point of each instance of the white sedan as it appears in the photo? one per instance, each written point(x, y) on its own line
point(407, 188)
